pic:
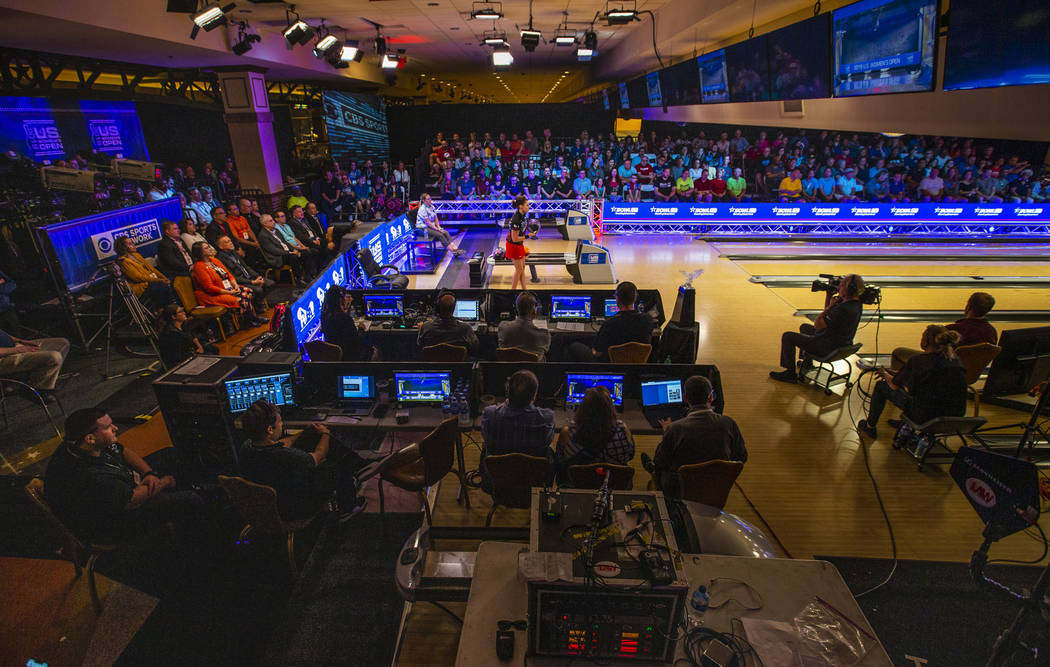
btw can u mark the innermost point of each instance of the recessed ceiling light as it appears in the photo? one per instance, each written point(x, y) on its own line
point(455, 27)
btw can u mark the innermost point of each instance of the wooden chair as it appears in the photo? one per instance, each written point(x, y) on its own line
point(319, 350)
point(445, 352)
point(80, 552)
point(592, 476)
point(280, 269)
point(183, 286)
point(630, 353)
point(258, 507)
point(976, 358)
point(708, 483)
point(418, 466)
point(515, 354)
point(512, 477)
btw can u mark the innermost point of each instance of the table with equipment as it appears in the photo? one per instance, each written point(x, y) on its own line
point(590, 263)
point(602, 580)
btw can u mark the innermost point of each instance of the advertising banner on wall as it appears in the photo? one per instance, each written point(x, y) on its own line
point(46, 130)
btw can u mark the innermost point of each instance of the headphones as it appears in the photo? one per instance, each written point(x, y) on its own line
point(856, 285)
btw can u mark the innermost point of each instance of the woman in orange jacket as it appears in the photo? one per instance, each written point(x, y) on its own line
point(214, 285)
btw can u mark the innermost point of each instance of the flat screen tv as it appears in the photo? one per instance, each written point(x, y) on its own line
point(800, 60)
point(714, 81)
point(883, 46)
point(748, 71)
point(991, 44)
point(680, 84)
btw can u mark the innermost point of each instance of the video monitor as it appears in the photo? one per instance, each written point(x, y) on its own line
point(884, 46)
point(570, 307)
point(748, 71)
point(652, 89)
point(680, 84)
point(625, 99)
point(577, 385)
point(991, 46)
point(383, 306)
point(611, 308)
point(422, 386)
point(799, 60)
point(467, 310)
point(276, 389)
point(638, 93)
point(662, 392)
point(714, 82)
point(355, 386)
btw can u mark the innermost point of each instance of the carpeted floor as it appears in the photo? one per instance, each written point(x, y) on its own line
point(934, 612)
point(345, 609)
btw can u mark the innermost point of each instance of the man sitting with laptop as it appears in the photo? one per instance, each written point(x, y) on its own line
point(517, 425)
point(521, 332)
point(702, 435)
point(445, 328)
point(626, 326)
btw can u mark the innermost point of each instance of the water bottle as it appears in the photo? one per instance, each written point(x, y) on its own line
point(446, 408)
point(697, 608)
point(464, 414)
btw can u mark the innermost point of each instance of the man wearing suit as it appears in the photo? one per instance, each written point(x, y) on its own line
point(307, 236)
point(244, 274)
point(276, 252)
point(219, 226)
point(173, 258)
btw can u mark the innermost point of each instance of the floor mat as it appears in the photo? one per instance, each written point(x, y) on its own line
point(457, 275)
point(346, 609)
point(933, 611)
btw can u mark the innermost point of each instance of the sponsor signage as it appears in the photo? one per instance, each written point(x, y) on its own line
point(306, 311)
point(142, 234)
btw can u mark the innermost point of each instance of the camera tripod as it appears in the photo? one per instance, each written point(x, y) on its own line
point(140, 317)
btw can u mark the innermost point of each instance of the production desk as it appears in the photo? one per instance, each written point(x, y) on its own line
point(786, 586)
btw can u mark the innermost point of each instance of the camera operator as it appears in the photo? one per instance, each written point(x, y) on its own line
point(834, 328)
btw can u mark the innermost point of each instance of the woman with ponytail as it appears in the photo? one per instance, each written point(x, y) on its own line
point(930, 385)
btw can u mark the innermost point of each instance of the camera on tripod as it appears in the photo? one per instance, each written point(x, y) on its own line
point(830, 284)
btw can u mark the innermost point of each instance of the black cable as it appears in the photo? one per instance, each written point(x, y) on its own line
point(446, 610)
point(1046, 548)
point(652, 20)
point(763, 520)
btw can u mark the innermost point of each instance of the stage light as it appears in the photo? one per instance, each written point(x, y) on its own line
point(351, 52)
point(501, 57)
point(487, 10)
point(298, 33)
point(590, 40)
point(244, 39)
point(494, 38)
point(209, 18)
point(329, 44)
point(390, 62)
point(565, 38)
point(584, 54)
point(380, 46)
point(530, 39)
point(621, 16)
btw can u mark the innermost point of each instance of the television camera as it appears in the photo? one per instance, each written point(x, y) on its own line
point(830, 284)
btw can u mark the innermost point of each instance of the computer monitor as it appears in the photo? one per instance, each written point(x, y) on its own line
point(351, 387)
point(578, 383)
point(611, 308)
point(383, 306)
point(276, 389)
point(467, 310)
point(422, 386)
point(570, 307)
point(662, 392)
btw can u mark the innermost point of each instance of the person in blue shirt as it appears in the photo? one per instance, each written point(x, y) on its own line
point(582, 186)
point(466, 186)
point(626, 170)
point(826, 186)
point(809, 186)
point(877, 189)
point(516, 425)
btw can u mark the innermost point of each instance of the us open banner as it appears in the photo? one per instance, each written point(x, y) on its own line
point(81, 245)
point(46, 130)
point(649, 212)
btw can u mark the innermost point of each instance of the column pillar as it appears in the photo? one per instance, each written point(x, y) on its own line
point(250, 123)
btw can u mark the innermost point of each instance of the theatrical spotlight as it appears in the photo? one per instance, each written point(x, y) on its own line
point(589, 48)
point(327, 46)
point(244, 39)
point(298, 33)
point(502, 58)
point(494, 38)
point(380, 46)
point(392, 62)
point(565, 38)
point(530, 39)
point(209, 18)
point(621, 15)
point(487, 10)
point(351, 52)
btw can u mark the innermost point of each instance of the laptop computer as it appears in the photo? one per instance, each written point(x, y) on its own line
point(355, 394)
point(663, 399)
point(570, 311)
point(469, 311)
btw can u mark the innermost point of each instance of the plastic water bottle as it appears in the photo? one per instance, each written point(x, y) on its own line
point(464, 414)
point(698, 604)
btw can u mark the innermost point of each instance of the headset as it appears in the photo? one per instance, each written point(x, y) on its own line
point(856, 285)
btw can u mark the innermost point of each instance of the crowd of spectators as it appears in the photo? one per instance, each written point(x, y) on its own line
point(790, 165)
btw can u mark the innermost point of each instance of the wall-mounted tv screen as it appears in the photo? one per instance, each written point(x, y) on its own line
point(714, 82)
point(652, 89)
point(884, 46)
point(680, 84)
point(625, 99)
point(748, 71)
point(356, 125)
point(990, 44)
point(638, 93)
point(799, 60)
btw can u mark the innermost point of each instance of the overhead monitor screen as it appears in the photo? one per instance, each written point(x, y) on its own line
point(748, 71)
point(799, 60)
point(714, 82)
point(884, 46)
point(680, 84)
point(990, 45)
point(356, 124)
